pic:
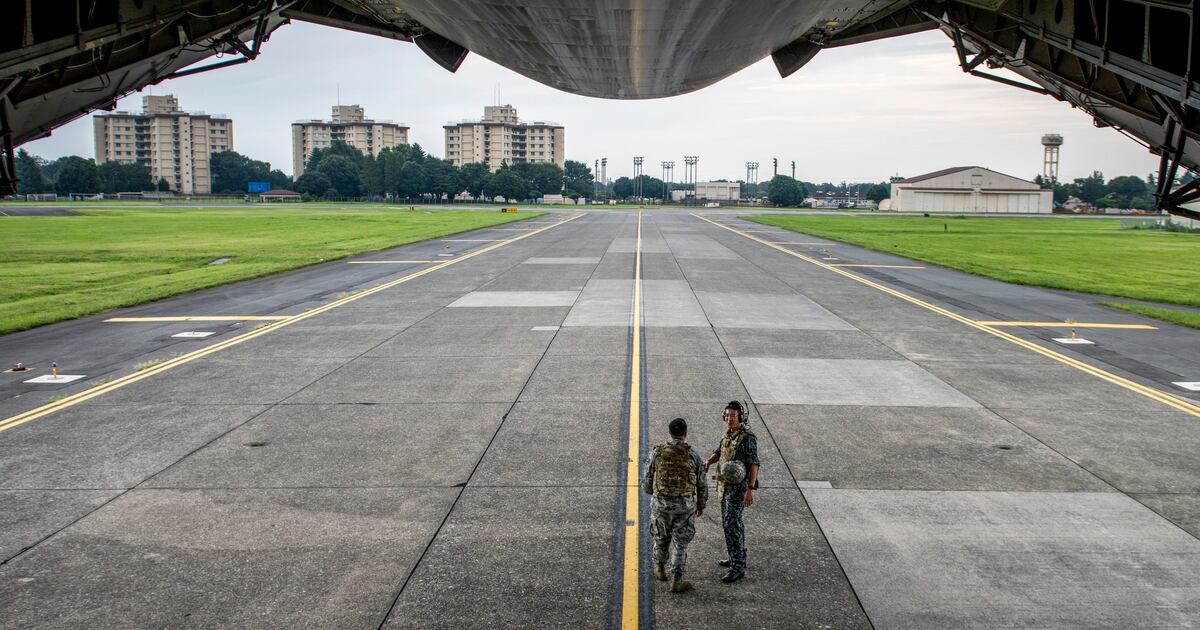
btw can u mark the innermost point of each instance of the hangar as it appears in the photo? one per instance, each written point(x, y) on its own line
point(970, 189)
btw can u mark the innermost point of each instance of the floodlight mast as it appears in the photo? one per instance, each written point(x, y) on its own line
point(690, 162)
point(668, 174)
point(637, 177)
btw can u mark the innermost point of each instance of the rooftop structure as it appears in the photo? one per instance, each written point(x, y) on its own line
point(350, 125)
point(175, 145)
point(500, 137)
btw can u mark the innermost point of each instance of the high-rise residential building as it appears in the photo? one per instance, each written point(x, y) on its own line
point(175, 144)
point(350, 125)
point(501, 137)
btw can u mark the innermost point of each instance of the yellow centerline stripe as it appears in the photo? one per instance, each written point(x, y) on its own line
point(1170, 400)
point(630, 581)
point(70, 401)
point(198, 318)
point(1069, 325)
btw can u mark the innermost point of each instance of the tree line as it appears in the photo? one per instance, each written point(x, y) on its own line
point(74, 174)
point(408, 172)
point(1125, 191)
point(230, 172)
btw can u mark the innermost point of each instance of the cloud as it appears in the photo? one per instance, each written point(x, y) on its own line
point(854, 113)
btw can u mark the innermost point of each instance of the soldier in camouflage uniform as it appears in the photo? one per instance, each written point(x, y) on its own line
point(738, 444)
point(675, 477)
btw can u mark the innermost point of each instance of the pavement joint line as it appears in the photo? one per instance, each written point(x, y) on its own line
point(787, 466)
point(1165, 398)
point(198, 318)
point(1068, 325)
point(98, 390)
point(630, 581)
point(512, 404)
point(470, 240)
point(391, 262)
point(879, 266)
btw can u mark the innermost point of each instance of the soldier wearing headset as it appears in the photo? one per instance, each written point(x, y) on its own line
point(739, 444)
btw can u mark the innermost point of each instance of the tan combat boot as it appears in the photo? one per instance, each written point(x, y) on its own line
point(660, 574)
point(681, 586)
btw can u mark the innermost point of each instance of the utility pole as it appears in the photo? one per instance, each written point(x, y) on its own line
point(595, 182)
point(776, 167)
point(793, 169)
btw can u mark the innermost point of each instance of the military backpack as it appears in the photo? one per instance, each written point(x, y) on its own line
point(674, 470)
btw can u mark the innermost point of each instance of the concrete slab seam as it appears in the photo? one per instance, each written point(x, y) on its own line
point(1149, 392)
point(800, 484)
point(99, 390)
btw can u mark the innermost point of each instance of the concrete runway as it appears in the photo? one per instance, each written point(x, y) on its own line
point(449, 449)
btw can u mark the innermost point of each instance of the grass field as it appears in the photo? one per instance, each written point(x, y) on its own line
point(1088, 255)
point(63, 267)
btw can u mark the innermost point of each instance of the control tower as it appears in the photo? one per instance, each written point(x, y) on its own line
point(1052, 142)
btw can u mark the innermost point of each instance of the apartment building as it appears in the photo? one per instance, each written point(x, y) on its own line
point(350, 125)
point(501, 137)
point(175, 144)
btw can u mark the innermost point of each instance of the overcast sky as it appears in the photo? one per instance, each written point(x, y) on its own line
point(859, 113)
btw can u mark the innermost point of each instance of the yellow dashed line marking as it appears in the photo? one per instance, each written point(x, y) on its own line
point(1070, 325)
point(391, 262)
point(98, 390)
point(198, 318)
point(881, 266)
point(1170, 400)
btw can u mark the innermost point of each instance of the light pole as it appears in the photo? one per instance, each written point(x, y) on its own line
point(793, 169)
point(690, 162)
point(595, 183)
point(604, 176)
point(668, 173)
point(637, 177)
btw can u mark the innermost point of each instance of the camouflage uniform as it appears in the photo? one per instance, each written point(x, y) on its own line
point(675, 477)
point(743, 446)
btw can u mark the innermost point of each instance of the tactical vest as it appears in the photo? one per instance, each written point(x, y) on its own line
point(730, 444)
point(729, 448)
point(674, 470)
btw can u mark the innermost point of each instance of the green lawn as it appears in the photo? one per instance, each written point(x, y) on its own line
point(62, 267)
point(1089, 255)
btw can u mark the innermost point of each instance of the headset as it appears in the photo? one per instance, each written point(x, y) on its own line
point(741, 407)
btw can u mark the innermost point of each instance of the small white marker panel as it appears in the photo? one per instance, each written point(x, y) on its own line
point(803, 483)
point(56, 380)
point(1077, 341)
point(195, 334)
point(445, 255)
point(1191, 386)
point(544, 328)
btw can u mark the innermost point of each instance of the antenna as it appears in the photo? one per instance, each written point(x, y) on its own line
point(339, 94)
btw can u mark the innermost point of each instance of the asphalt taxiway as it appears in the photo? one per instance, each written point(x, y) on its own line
point(441, 439)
